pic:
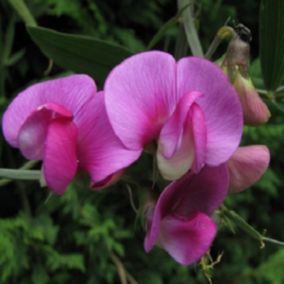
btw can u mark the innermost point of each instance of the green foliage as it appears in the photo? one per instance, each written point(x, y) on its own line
point(272, 269)
point(78, 53)
point(272, 42)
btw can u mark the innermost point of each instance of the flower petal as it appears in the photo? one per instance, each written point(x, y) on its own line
point(202, 192)
point(187, 240)
point(71, 92)
point(140, 95)
point(247, 165)
point(100, 152)
point(60, 156)
point(219, 103)
point(180, 163)
point(32, 134)
point(200, 138)
point(175, 152)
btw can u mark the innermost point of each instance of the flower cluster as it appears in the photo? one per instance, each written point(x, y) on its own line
point(188, 111)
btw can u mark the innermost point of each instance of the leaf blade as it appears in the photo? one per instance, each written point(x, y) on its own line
point(272, 42)
point(79, 53)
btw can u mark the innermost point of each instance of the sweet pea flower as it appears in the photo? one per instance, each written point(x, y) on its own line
point(247, 166)
point(188, 108)
point(180, 221)
point(63, 123)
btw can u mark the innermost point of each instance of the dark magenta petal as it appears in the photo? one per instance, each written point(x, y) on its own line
point(187, 240)
point(60, 155)
point(202, 192)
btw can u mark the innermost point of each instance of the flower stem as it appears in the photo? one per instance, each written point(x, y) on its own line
point(189, 27)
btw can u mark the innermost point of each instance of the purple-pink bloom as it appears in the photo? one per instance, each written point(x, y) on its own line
point(64, 123)
point(188, 108)
point(180, 221)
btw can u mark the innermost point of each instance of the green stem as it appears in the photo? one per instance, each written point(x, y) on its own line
point(189, 27)
point(23, 174)
point(20, 174)
point(23, 11)
point(181, 44)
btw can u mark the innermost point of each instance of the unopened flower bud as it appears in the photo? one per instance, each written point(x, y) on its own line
point(254, 109)
point(235, 65)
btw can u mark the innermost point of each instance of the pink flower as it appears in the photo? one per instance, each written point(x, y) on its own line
point(187, 107)
point(63, 122)
point(180, 221)
point(247, 166)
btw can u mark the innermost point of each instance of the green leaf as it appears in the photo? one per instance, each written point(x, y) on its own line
point(272, 42)
point(79, 53)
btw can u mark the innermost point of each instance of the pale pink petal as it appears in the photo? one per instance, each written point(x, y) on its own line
point(71, 92)
point(100, 152)
point(60, 155)
point(219, 103)
point(202, 192)
point(140, 95)
point(187, 239)
point(247, 166)
point(32, 134)
point(175, 152)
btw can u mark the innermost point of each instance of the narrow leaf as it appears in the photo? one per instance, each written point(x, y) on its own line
point(272, 42)
point(79, 53)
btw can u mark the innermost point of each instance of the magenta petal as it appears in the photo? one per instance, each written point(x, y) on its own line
point(71, 92)
point(187, 240)
point(100, 152)
point(247, 165)
point(32, 134)
point(176, 144)
point(199, 137)
point(202, 192)
point(140, 94)
point(219, 103)
point(60, 155)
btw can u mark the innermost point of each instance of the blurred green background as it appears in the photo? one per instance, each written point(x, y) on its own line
point(86, 237)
